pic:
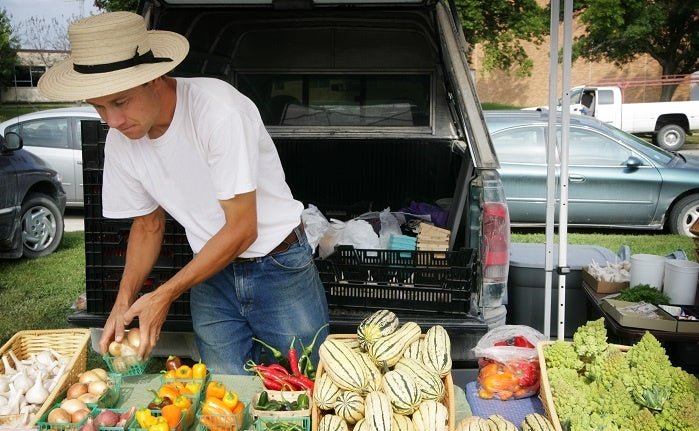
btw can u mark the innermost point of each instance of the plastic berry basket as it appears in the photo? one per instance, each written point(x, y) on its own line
point(43, 423)
point(111, 396)
point(95, 412)
point(202, 382)
point(232, 422)
point(125, 365)
point(135, 426)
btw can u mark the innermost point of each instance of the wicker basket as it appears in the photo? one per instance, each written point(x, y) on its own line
point(545, 392)
point(448, 400)
point(71, 343)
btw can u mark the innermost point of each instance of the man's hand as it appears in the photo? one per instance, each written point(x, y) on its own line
point(151, 310)
point(113, 328)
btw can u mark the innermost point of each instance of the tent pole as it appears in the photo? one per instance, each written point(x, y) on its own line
point(563, 268)
point(551, 167)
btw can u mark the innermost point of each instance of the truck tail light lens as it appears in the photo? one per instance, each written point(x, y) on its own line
point(495, 244)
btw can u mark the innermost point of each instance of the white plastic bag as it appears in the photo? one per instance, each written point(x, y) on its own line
point(389, 226)
point(331, 238)
point(488, 347)
point(359, 234)
point(315, 224)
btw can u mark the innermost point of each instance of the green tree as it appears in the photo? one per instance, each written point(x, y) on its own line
point(116, 5)
point(621, 30)
point(8, 50)
point(500, 26)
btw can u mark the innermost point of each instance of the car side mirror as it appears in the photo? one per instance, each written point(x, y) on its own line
point(11, 142)
point(633, 162)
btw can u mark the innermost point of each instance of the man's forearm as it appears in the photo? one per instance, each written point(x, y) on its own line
point(143, 249)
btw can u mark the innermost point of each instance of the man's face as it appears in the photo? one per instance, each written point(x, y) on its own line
point(133, 112)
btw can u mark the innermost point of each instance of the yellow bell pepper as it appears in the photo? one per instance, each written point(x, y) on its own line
point(182, 402)
point(230, 399)
point(159, 425)
point(192, 388)
point(199, 370)
point(145, 418)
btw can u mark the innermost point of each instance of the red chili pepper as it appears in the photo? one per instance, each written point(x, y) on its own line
point(273, 385)
point(278, 368)
point(293, 359)
point(301, 382)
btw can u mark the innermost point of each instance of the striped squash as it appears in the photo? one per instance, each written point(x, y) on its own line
point(536, 422)
point(332, 423)
point(325, 391)
point(402, 423)
point(374, 375)
point(427, 379)
point(379, 324)
point(430, 416)
point(388, 350)
point(350, 407)
point(499, 423)
point(353, 343)
point(361, 425)
point(472, 423)
point(414, 350)
point(402, 391)
point(436, 353)
point(343, 365)
point(377, 412)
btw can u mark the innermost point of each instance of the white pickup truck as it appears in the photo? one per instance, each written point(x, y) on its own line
point(668, 122)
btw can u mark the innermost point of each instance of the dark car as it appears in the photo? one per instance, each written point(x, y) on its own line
point(32, 202)
point(615, 179)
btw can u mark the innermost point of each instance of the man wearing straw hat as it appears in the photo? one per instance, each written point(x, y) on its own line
point(197, 149)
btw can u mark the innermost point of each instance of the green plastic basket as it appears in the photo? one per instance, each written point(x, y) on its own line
point(232, 422)
point(126, 426)
point(44, 425)
point(125, 365)
point(202, 382)
point(301, 423)
point(111, 397)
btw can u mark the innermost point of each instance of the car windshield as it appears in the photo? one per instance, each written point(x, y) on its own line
point(657, 154)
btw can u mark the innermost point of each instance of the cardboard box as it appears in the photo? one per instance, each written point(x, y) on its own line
point(661, 321)
point(681, 314)
point(600, 286)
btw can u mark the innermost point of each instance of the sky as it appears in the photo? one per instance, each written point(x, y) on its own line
point(62, 10)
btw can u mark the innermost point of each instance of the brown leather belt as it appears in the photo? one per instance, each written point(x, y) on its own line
point(283, 246)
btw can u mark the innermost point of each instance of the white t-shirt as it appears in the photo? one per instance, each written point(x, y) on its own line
point(215, 148)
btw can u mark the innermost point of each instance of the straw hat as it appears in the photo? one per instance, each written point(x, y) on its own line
point(112, 52)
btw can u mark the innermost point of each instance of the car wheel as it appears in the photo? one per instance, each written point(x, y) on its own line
point(670, 137)
point(42, 226)
point(684, 214)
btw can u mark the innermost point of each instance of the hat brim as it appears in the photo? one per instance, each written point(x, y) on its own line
point(62, 82)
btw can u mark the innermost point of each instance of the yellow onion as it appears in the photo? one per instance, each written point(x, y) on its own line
point(59, 416)
point(73, 405)
point(76, 389)
point(79, 415)
point(87, 377)
point(134, 338)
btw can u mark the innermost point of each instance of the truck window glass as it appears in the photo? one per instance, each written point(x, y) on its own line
point(605, 97)
point(363, 100)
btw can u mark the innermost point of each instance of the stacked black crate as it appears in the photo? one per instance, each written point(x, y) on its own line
point(106, 239)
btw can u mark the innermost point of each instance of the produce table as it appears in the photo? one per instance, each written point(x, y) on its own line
point(134, 392)
point(681, 347)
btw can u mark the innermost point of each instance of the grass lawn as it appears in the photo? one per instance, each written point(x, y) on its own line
point(39, 293)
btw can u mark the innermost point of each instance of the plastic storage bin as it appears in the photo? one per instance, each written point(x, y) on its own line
point(525, 286)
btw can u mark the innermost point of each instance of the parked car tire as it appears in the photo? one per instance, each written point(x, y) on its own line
point(684, 214)
point(670, 137)
point(42, 225)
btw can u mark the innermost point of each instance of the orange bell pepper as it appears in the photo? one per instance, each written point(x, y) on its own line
point(215, 389)
point(199, 370)
point(169, 392)
point(184, 372)
point(172, 414)
point(215, 406)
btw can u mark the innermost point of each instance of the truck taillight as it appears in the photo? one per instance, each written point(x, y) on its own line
point(495, 243)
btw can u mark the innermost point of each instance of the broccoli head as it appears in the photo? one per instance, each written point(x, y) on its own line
point(561, 354)
point(590, 340)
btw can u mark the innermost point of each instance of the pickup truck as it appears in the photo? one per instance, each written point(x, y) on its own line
point(370, 105)
point(667, 122)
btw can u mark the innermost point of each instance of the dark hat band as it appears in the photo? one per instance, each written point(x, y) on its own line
point(145, 58)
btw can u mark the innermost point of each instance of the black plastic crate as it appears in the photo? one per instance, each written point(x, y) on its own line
point(416, 281)
point(106, 241)
point(103, 287)
point(94, 135)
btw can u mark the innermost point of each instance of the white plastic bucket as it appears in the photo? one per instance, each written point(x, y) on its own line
point(680, 282)
point(647, 269)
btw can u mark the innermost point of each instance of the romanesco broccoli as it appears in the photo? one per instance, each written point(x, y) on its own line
point(680, 413)
point(607, 369)
point(590, 340)
point(561, 354)
point(643, 420)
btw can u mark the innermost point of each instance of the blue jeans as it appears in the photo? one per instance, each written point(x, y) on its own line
point(272, 298)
